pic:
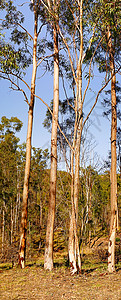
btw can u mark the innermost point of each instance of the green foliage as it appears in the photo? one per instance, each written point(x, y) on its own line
point(12, 164)
point(8, 168)
point(12, 15)
point(14, 54)
point(109, 14)
point(94, 203)
point(94, 196)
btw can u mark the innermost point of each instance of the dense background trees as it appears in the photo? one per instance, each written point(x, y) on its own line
point(94, 199)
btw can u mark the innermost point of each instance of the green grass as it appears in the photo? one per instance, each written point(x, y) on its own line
point(5, 266)
point(89, 263)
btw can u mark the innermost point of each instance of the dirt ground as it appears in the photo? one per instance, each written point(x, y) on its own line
point(35, 283)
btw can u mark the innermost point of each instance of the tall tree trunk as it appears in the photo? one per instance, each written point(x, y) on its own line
point(48, 263)
point(3, 228)
point(90, 204)
point(111, 245)
point(119, 158)
point(71, 245)
point(23, 234)
point(17, 210)
point(12, 217)
point(40, 220)
point(74, 253)
point(17, 204)
point(79, 113)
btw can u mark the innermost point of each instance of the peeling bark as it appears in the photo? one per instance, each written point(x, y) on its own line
point(111, 248)
point(71, 246)
point(72, 258)
point(111, 245)
point(74, 253)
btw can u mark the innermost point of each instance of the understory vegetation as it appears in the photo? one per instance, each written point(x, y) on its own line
point(93, 212)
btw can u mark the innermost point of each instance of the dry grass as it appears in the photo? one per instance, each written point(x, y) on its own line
point(35, 283)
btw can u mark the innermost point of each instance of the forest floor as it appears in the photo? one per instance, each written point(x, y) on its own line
point(35, 283)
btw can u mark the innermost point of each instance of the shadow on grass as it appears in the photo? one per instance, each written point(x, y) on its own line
point(5, 267)
point(35, 264)
point(88, 271)
point(118, 269)
point(64, 263)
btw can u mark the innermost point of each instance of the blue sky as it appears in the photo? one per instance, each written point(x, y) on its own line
point(13, 104)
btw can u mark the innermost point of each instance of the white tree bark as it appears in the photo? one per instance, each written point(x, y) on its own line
point(111, 245)
point(48, 263)
point(23, 234)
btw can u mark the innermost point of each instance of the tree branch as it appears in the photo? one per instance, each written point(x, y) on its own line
point(98, 97)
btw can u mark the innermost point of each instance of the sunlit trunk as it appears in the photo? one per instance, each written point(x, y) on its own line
point(73, 248)
point(71, 245)
point(74, 254)
point(79, 106)
point(17, 211)
point(40, 221)
point(11, 223)
point(3, 228)
point(23, 234)
point(17, 204)
point(48, 263)
point(111, 245)
point(90, 203)
point(74, 245)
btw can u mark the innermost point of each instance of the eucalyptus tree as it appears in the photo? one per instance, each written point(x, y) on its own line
point(110, 23)
point(81, 51)
point(28, 142)
point(54, 19)
point(119, 148)
point(14, 61)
